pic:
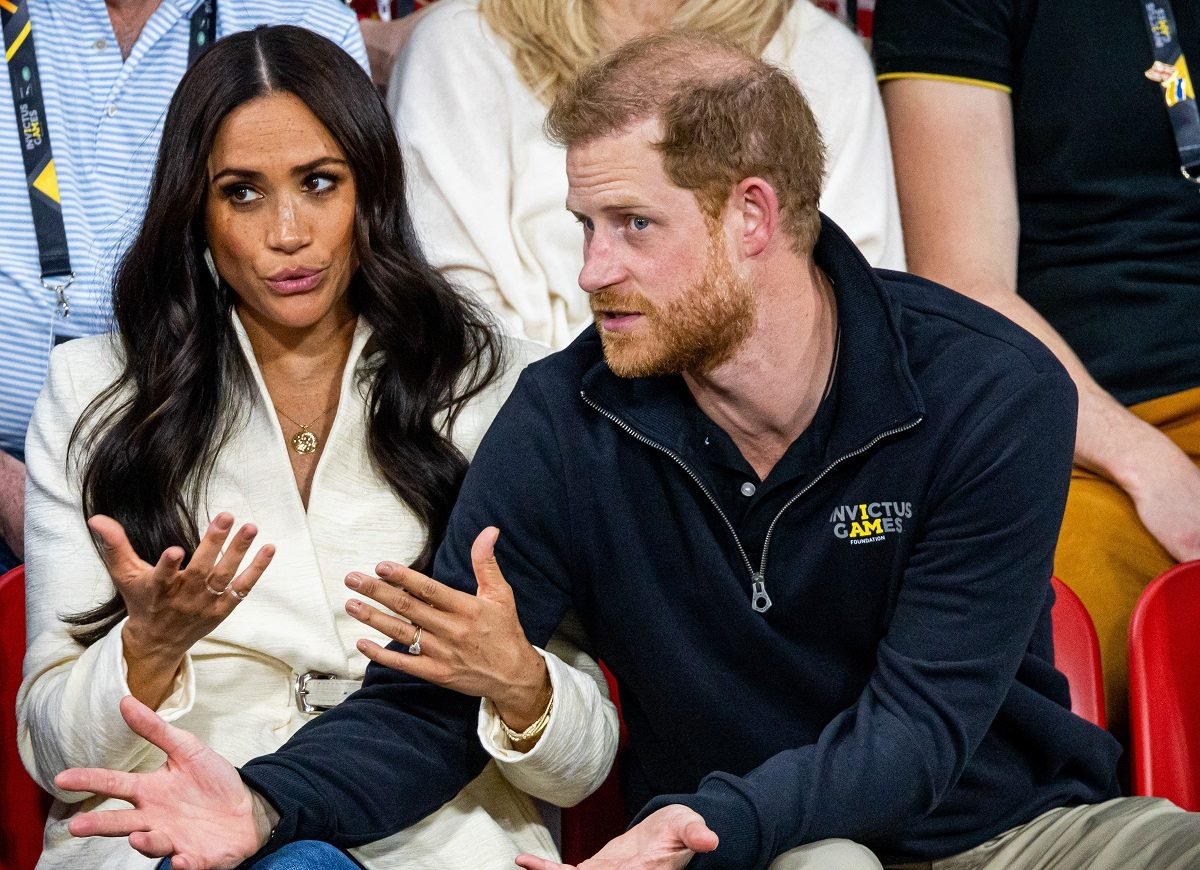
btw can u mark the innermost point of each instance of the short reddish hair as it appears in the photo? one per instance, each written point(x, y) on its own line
point(725, 114)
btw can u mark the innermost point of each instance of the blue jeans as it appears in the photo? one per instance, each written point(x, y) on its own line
point(302, 855)
point(8, 559)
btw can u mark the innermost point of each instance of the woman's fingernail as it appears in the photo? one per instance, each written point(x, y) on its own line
point(384, 569)
point(353, 606)
point(354, 581)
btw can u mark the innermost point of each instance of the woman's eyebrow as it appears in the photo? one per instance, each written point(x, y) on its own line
point(254, 174)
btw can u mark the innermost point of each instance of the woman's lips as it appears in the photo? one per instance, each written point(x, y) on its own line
point(291, 281)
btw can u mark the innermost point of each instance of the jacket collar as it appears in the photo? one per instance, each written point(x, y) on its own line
point(873, 387)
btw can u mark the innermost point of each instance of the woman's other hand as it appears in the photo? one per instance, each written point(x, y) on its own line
point(473, 644)
point(171, 608)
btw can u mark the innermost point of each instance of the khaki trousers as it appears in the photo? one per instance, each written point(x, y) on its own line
point(1123, 834)
point(1106, 555)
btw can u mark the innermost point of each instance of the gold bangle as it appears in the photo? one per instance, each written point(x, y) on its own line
point(534, 730)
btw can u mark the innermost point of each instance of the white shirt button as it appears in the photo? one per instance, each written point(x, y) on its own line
point(111, 110)
point(748, 489)
point(100, 44)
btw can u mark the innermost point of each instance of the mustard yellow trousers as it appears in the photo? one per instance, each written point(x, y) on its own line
point(1106, 555)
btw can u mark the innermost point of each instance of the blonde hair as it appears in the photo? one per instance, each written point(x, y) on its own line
point(552, 40)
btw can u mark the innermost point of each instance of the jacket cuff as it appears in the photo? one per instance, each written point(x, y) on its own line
point(575, 752)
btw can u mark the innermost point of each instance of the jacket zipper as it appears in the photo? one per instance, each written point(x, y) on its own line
point(760, 601)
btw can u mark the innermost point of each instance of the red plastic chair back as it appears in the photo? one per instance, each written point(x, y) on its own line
point(1164, 687)
point(22, 804)
point(1077, 653)
point(599, 817)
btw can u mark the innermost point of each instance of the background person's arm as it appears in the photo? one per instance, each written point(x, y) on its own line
point(953, 148)
point(12, 503)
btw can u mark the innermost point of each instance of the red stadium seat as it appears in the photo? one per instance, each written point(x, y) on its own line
point(22, 804)
point(1164, 687)
point(1077, 653)
point(591, 823)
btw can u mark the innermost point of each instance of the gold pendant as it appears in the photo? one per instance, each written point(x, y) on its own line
point(304, 441)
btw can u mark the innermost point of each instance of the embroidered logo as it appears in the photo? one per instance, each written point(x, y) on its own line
point(870, 522)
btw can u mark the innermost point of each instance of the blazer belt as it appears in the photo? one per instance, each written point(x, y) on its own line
point(316, 692)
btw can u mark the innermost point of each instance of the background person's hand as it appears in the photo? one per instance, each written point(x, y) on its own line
point(169, 608)
point(665, 840)
point(473, 644)
point(1165, 488)
point(194, 809)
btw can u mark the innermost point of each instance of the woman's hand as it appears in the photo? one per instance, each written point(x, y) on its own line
point(473, 644)
point(169, 608)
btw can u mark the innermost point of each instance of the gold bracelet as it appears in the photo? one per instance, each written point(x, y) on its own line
point(534, 730)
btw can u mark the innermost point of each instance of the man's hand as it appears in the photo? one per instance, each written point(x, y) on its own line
point(665, 840)
point(195, 809)
point(472, 644)
point(12, 503)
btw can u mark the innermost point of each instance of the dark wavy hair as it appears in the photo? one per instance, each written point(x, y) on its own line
point(147, 444)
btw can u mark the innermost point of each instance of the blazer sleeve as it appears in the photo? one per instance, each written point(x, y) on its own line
point(67, 705)
point(576, 751)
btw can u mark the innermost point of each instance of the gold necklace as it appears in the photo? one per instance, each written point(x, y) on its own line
point(305, 441)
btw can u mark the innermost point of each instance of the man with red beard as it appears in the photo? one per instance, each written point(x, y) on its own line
point(804, 509)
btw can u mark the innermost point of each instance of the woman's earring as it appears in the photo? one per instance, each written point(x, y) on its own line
point(212, 267)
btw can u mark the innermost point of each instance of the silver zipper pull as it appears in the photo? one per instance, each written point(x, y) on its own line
point(759, 599)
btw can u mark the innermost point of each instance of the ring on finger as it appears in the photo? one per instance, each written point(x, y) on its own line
point(236, 594)
point(212, 591)
point(414, 648)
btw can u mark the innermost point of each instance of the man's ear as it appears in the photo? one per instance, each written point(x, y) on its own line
point(755, 201)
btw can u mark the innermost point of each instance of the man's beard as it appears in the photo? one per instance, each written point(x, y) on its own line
point(695, 332)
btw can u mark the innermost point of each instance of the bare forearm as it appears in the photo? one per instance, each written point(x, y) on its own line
point(151, 667)
point(12, 503)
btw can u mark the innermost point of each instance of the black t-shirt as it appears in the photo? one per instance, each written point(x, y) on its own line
point(1110, 229)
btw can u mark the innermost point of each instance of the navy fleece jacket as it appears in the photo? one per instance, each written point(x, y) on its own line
point(900, 690)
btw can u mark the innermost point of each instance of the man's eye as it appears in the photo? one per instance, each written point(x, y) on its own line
point(639, 223)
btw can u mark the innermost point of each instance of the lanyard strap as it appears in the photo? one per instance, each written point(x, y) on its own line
point(34, 136)
point(34, 133)
point(1171, 71)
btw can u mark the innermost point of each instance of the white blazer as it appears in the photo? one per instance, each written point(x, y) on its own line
point(235, 689)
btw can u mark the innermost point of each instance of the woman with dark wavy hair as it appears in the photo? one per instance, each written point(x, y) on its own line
point(283, 355)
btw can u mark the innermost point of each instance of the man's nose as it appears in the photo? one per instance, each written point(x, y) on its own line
point(601, 265)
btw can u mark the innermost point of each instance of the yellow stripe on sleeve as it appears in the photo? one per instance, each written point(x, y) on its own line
point(937, 77)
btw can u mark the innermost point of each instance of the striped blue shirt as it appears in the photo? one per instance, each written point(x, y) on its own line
point(105, 118)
